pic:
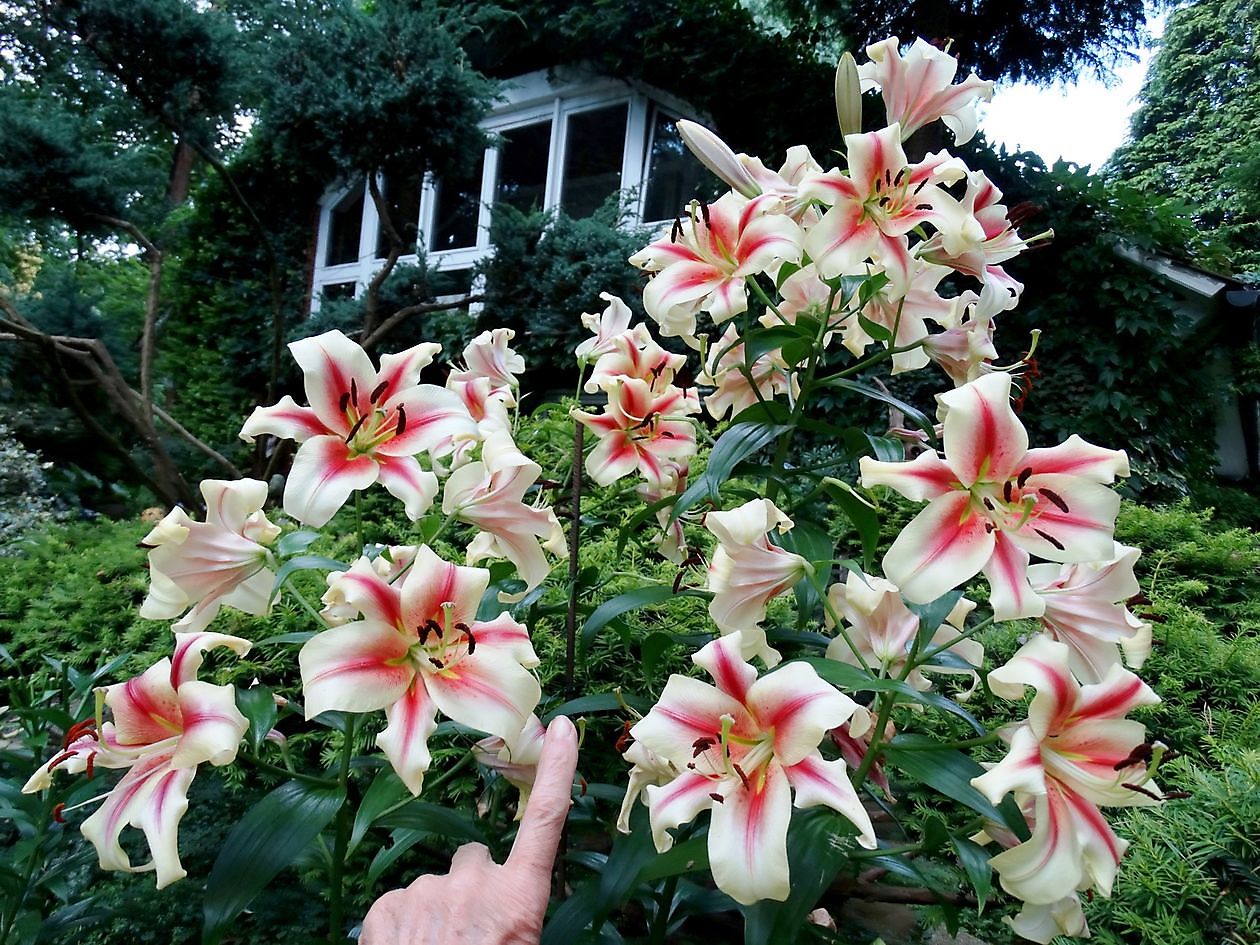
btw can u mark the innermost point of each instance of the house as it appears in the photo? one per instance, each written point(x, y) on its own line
point(562, 139)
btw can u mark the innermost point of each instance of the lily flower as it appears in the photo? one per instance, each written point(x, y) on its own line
point(362, 425)
point(882, 198)
point(672, 541)
point(703, 263)
point(489, 494)
point(1075, 752)
point(163, 724)
point(917, 88)
point(973, 233)
point(609, 325)
point(741, 748)
point(635, 354)
point(515, 759)
point(489, 355)
point(746, 571)
point(1085, 609)
point(640, 430)
point(903, 308)
point(992, 502)
point(883, 629)
point(420, 649)
point(197, 567)
point(734, 389)
point(389, 565)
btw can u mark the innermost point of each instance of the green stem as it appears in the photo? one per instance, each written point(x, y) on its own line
point(837, 620)
point(761, 294)
point(887, 701)
point(306, 604)
point(664, 906)
point(341, 841)
point(886, 851)
point(964, 635)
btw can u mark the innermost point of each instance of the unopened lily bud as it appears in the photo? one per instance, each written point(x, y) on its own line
point(717, 156)
point(848, 96)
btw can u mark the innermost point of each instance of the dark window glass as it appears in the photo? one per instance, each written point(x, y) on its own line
point(345, 225)
point(594, 147)
point(674, 176)
point(401, 190)
point(452, 282)
point(458, 201)
point(337, 290)
point(523, 166)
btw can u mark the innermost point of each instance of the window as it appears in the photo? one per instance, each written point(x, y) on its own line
point(337, 290)
point(523, 159)
point(345, 224)
point(458, 202)
point(401, 190)
point(674, 176)
point(595, 145)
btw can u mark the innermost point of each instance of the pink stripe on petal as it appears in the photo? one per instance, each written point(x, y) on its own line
point(322, 477)
point(945, 545)
point(358, 667)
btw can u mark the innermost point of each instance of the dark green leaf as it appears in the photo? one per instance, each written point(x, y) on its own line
point(431, 818)
point(385, 791)
point(258, 705)
point(268, 838)
point(624, 603)
point(874, 329)
point(850, 678)
point(583, 705)
point(863, 518)
point(304, 563)
point(685, 857)
point(740, 441)
point(975, 863)
point(913, 414)
point(764, 340)
point(931, 615)
point(294, 543)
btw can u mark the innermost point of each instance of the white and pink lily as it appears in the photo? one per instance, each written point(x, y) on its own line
point(880, 630)
point(362, 426)
point(736, 390)
point(490, 355)
point(992, 502)
point(741, 748)
point(639, 431)
point(489, 494)
point(514, 759)
point(974, 233)
point(917, 88)
point(746, 572)
point(389, 565)
point(672, 541)
point(903, 308)
point(163, 724)
point(1075, 752)
point(874, 206)
point(1085, 609)
point(197, 567)
point(703, 264)
point(636, 354)
point(418, 650)
point(608, 325)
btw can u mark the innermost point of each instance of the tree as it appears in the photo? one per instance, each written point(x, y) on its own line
point(1035, 40)
point(1195, 136)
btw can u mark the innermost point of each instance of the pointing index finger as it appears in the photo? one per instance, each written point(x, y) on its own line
point(535, 847)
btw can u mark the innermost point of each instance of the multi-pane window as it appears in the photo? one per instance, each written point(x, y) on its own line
point(567, 149)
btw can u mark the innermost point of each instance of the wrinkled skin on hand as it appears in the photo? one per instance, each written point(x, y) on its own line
point(480, 902)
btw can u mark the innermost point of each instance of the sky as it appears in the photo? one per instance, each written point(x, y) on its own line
point(1083, 121)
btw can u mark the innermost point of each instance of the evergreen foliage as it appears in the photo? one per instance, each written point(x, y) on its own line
point(1194, 136)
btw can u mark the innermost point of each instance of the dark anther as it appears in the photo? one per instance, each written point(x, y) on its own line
point(354, 392)
point(436, 662)
point(676, 230)
point(1006, 491)
point(1176, 795)
point(344, 403)
point(691, 766)
point(91, 765)
point(988, 503)
point(717, 797)
point(923, 206)
point(472, 640)
point(1021, 213)
point(742, 777)
point(888, 179)
point(56, 813)
point(1050, 538)
point(1143, 791)
point(402, 421)
point(624, 739)
point(1055, 498)
point(582, 786)
point(429, 626)
point(380, 390)
point(355, 429)
point(64, 756)
point(989, 528)
point(1140, 755)
point(1023, 477)
point(666, 435)
point(704, 212)
point(701, 745)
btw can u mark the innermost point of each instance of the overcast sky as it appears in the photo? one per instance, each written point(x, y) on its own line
point(1082, 122)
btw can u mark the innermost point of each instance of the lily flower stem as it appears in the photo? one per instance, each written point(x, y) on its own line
point(441, 530)
point(766, 300)
point(785, 443)
point(306, 604)
point(965, 635)
point(886, 851)
point(341, 841)
point(285, 772)
point(836, 619)
point(887, 701)
point(575, 547)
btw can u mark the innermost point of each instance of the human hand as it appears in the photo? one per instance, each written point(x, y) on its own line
point(480, 902)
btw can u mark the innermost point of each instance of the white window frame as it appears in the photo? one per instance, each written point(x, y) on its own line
point(529, 99)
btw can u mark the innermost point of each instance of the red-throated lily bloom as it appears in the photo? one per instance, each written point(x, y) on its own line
point(672, 541)
point(163, 723)
point(735, 390)
point(916, 87)
point(740, 749)
point(611, 323)
point(489, 494)
point(882, 198)
point(746, 571)
point(1085, 609)
point(489, 355)
point(974, 233)
point(635, 354)
point(702, 264)
point(391, 564)
point(362, 425)
point(1075, 752)
point(881, 630)
point(992, 501)
point(420, 649)
point(640, 430)
point(197, 567)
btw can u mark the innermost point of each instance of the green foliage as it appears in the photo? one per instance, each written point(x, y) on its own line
point(1193, 136)
point(547, 269)
point(25, 500)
